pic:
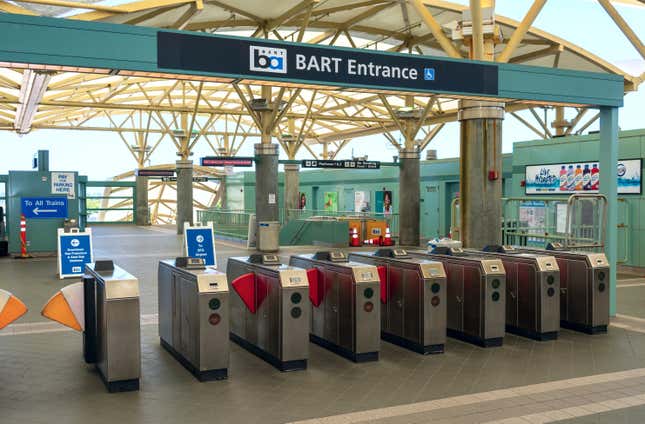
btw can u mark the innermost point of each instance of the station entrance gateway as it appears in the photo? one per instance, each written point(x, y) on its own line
point(483, 88)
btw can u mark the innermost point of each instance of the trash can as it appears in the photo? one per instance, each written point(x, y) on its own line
point(268, 236)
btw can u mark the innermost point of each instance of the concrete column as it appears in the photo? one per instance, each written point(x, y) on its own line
point(480, 169)
point(409, 191)
point(184, 194)
point(291, 188)
point(266, 182)
point(609, 187)
point(143, 212)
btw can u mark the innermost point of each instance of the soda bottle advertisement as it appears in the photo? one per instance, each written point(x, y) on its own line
point(582, 177)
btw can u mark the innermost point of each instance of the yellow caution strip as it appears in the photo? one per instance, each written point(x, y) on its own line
point(66, 307)
point(11, 308)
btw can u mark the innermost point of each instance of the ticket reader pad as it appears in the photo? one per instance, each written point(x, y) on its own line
point(584, 288)
point(11, 308)
point(194, 316)
point(532, 292)
point(476, 295)
point(346, 308)
point(413, 299)
point(104, 306)
point(269, 310)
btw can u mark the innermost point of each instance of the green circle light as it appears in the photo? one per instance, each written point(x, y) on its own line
point(214, 304)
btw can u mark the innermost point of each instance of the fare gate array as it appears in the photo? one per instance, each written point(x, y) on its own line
point(343, 302)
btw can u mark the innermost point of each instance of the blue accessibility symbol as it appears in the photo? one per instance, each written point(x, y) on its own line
point(428, 74)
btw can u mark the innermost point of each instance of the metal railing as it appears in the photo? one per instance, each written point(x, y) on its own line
point(230, 223)
point(577, 221)
point(391, 219)
point(109, 202)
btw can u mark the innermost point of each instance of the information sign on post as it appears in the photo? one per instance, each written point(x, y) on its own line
point(74, 252)
point(199, 242)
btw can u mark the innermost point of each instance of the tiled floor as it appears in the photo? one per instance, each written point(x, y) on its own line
point(577, 378)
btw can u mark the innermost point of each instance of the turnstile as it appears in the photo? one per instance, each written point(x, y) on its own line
point(269, 310)
point(413, 299)
point(532, 292)
point(584, 288)
point(11, 308)
point(105, 307)
point(476, 295)
point(345, 314)
point(193, 316)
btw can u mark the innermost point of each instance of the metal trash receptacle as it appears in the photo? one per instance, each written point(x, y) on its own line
point(268, 236)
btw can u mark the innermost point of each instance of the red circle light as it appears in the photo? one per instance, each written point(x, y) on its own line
point(214, 319)
point(435, 300)
point(369, 307)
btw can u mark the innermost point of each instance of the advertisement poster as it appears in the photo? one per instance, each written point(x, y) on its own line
point(361, 201)
point(383, 202)
point(532, 218)
point(331, 201)
point(302, 204)
point(583, 177)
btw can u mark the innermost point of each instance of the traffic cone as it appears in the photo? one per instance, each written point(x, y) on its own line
point(354, 241)
point(387, 241)
point(23, 239)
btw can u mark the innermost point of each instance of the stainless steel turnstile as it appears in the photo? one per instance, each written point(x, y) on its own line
point(532, 292)
point(584, 288)
point(346, 309)
point(413, 299)
point(194, 316)
point(269, 310)
point(476, 295)
point(112, 314)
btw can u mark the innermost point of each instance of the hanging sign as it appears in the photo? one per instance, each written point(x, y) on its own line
point(74, 252)
point(199, 242)
point(343, 164)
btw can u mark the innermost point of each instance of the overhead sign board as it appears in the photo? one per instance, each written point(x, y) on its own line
point(581, 177)
point(343, 164)
point(174, 179)
point(64, 183)
point(243, 57)
point(226, 161)
point(199, 242)
point(44, 207)
point(74, 252)
point(154, 172)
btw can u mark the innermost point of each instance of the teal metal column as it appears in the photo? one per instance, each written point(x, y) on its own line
point(609, 187)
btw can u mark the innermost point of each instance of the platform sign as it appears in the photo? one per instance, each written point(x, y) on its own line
point(44, 207)
point(199, 242)
point(64, 183)
point(227, 161)
point(341, 164)
point(74, 252)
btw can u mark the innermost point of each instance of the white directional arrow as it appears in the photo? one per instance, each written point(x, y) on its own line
point(37, 211)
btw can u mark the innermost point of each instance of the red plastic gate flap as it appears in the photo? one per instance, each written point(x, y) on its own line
point(382, 276)
point(316, 290)
point(244, 285)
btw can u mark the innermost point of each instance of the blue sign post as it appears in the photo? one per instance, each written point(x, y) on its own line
point(44, 207)
point(74, 252)
point(199, 242)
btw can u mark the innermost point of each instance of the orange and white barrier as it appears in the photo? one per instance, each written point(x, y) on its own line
point(67, 307)
point(11, 308)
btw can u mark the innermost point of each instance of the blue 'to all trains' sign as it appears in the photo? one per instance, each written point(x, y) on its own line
point(44, 207)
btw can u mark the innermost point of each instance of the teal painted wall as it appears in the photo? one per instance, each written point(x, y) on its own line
point(440, 183)
point(631, 207)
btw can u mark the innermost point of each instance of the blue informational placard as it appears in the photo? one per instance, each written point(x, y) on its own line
point(44, 207)
point(74, 251)
point(199, 243)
